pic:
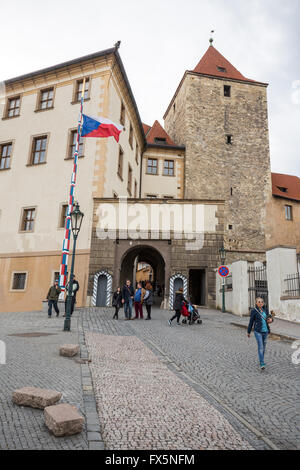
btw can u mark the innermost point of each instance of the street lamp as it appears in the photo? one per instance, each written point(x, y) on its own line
point(222, 253)
point(76, 221)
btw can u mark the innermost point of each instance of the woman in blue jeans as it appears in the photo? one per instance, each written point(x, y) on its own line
point(260, 318)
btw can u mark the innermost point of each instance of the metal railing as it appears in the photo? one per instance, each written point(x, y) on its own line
point(257, 285)
point(292, 285)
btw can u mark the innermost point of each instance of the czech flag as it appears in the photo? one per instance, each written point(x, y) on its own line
point(100, 127)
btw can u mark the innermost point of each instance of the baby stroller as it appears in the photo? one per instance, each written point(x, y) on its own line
point(190, 313)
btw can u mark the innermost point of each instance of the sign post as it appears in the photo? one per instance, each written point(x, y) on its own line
point(223, 272)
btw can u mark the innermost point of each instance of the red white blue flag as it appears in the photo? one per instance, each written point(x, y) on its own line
point(100, 127)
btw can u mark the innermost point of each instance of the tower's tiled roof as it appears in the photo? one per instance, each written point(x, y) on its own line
point(213, 63)
point(157, 132)
point(286, 186)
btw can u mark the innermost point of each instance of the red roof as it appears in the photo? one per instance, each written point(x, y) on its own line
point(213, 63)
point(146, 128)
point(289, 184)
point(158, 132)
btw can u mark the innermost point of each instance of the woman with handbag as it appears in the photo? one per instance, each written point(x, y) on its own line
point(260, 318)
point(117, 302)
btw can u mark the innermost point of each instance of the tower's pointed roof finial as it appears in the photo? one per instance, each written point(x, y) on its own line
point(211, 39)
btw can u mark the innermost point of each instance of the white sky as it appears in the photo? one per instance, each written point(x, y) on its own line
point(160, 40)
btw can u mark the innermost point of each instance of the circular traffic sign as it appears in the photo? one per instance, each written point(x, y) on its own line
point(223, 271)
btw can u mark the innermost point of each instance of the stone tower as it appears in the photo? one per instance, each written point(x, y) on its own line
point(221, 118)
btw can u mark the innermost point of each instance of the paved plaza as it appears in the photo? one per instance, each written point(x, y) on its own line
point(149, 385)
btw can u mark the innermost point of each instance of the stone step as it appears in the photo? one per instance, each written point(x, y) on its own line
point(69, 350)
point(35, 397)
point(63, 419)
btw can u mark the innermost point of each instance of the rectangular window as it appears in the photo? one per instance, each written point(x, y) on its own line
point(131, 136)
point(288, 212)
point(229, 139)
point(28, 220)
point(19, 281)
point(122, 114)
point(56, 275)
point(72, 145)
point(63, 215)
point(169, 168)
point(46, 98)
point(79, 86)
point(227, 90)
point(5, 154)
point(13, 106)
point(38, 154)
point(129, 182)
point(152, 166)
point(120, 163)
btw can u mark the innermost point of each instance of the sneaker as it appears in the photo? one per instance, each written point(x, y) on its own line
point(263, 366)
point(170, 323)
point(177, 324)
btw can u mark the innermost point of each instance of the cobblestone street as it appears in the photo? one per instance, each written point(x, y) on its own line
point(215, 357)
point(156, 386)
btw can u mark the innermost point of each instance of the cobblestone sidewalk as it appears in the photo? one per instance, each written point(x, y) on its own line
point(35, 361)
point(143, 405)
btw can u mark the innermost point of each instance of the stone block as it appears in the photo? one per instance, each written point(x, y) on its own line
point(63, 419)
point(69, 350)
point(35, 397)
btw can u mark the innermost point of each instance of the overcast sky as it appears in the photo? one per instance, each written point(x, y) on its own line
point(163, 38)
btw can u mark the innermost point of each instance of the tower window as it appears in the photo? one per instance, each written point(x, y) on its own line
point(231, 191)
point(288, 213)
point(229, 139)
point(227, 90)
point(230, 227)
point(221, 69)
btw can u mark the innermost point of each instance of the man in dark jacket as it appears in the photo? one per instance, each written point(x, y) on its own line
point(52, 298)
point(179, 298)
point(75, 289)
point(127, 299)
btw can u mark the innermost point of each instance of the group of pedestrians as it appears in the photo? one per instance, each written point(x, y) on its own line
point(53, 296)
point(128, 297)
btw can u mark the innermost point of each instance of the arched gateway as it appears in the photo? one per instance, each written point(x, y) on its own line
point(148, 255)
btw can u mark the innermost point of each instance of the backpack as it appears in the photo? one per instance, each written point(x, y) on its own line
point(146, 295)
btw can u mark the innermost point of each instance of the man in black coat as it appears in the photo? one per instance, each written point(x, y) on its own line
point(75, 289)
point(127, 299)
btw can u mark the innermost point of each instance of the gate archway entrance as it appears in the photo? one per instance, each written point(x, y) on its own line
point(148, 256)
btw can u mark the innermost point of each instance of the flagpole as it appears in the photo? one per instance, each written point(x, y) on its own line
point(67, 237)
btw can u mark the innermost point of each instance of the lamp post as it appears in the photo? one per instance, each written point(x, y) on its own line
point(222, 253)
point(76, 221)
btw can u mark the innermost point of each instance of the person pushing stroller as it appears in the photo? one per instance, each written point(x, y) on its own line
point(177, 306)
